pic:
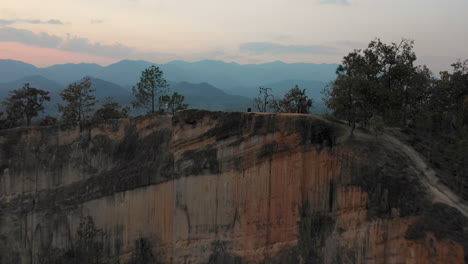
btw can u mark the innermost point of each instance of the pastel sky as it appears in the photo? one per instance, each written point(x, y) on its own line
point(46, 32)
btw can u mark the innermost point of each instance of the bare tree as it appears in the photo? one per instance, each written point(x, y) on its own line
point(264, 99)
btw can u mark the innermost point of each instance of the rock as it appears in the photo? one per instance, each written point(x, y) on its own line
point(216, 187)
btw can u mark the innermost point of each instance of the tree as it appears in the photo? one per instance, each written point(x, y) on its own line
point(346, 98)
point(149, 89)
point(172, 103)
point(418, 93)
point(294, 101)
point(48, 121)
point(111, 110)
point(444, 123)
point(377, 80)
point(381, 86)
point(3, 121)
point(25, 103)
point(80, 101)
point(264, 100)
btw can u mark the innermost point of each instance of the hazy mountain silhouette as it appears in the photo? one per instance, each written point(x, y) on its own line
point(11, 70)
point(103, 88)
point(201, 95)
point(198, 81)
point(35, 81)
point(313, 88)
point(206, 96)
point(38, 82)
point(228, 75)
point(124, 73)
point(217, 73)
point(66, 73)
point(108, 89)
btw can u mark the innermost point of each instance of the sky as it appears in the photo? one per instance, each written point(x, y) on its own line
point(47, 32)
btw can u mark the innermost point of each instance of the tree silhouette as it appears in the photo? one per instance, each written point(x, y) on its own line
point(80, 101)
point(148, 90)
point(25, 103)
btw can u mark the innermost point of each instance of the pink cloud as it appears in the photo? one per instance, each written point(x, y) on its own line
point(45, 57)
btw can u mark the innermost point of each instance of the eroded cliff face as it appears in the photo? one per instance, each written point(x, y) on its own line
point(215, 187)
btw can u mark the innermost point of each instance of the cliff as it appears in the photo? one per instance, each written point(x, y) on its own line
point(216, 187)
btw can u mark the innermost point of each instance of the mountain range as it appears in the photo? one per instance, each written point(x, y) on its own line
point(213, 85)
point(203, 95)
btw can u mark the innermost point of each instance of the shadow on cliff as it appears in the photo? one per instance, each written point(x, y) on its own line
point(121, 155)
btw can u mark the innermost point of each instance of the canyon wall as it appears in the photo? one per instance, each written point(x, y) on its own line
point(216, 187)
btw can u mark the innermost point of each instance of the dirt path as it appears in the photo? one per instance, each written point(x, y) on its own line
point(439, 192)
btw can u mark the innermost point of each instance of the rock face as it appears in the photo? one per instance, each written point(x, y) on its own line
point(214, 187)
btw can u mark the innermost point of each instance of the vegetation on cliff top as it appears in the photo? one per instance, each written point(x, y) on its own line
point(294, 101)
point(79, 101)
point(23, 105)
point(381, 85)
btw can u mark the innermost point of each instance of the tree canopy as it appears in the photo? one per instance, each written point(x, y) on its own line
point(171, 104)
point(111, 110)
point(377, 80)
point(294, 101)
point(381, 85)
point(147, 91)
point(24, 104)
point(79, 101)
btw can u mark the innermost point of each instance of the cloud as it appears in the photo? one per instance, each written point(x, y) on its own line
point(54, 22)
point(96, 21)
point(27, 37)
point(84, 45)
point(78, 45)
point(4, 22)
point(335, 2)
point(273, 48)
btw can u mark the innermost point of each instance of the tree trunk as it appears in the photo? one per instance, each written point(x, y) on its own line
point(405, 106)
point(152, 101)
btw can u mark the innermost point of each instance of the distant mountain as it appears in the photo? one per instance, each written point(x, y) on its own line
point(35, 81)
point(201, 95)
point(198, 81)
point(126, 72)
point(38, 82)
point(65, 73)
point(218, 73)
point(313, 88)
point(11, 70)
point(206, 96)
point(108, 89)
point(103, 88)
point(228, 75)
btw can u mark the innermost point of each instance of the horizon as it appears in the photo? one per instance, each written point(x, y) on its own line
point(169, 62)
point(54, 32)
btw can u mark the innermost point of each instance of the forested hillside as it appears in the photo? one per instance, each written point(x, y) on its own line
point(382, 85)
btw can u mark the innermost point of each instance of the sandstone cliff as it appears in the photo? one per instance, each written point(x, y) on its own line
point(215, 187)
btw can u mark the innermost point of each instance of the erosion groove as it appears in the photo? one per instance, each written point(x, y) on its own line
point(217, 187)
